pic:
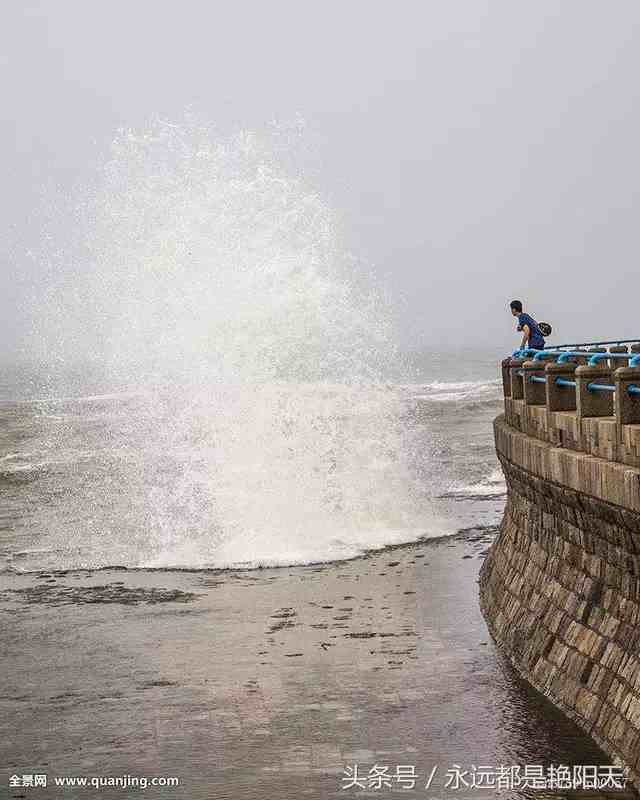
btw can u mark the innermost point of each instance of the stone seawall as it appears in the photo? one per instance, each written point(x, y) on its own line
point(560, 588)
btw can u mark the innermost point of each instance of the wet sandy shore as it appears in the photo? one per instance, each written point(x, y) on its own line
point(269, 683)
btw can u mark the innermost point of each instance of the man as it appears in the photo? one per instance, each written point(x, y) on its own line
point(531, 334)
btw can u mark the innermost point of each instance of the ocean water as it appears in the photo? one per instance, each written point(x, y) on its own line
point(244, 476)
point(211, 379)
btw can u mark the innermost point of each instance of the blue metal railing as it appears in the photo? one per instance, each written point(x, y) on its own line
point(593, 344)
point(565, 382)
point(564, 356)
point(592, 387)
point(601, 387)
point(598, 357)
point(521, 353)
point(590, 344)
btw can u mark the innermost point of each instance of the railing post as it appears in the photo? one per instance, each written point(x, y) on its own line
point(627, 408)
point(593, 350)
point(590, 407)
point(582, 359)
point(514, 405)
point(534, 393)
point(614, 363)
point(517, 392)
point(560, 398)
point(506, 377)
point(534, 417)
point(593, 404)
point(627, 412)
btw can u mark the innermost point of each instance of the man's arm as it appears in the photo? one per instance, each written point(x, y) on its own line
point(525, 336)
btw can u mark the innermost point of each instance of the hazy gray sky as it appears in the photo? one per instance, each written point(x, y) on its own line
point(474, 151)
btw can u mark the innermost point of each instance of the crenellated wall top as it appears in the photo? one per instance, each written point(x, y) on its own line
point(581, 398)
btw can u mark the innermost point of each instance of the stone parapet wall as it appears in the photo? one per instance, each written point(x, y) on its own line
point(560, 588)
point(593, 408)
point(526, 438)
point(599, 436)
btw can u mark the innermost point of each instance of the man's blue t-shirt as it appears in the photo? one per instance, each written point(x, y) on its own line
point(536, 339)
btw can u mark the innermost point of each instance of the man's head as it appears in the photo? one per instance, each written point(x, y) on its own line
point(516, 307)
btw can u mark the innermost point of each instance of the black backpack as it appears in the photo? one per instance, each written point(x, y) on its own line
point(545, 328)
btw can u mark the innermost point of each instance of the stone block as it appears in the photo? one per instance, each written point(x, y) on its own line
point(506, 377)
point(591, 403)
point(614, 363)
point(517, 386)
point(586, 704)
point(632, 489)
point(560, 398)
point(536, 419)
point(607, 446)
point(612, 656)
point(627, 407)
point(534, 393)
point(611, 481)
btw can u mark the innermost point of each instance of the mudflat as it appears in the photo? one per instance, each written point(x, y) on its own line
point(346, 679)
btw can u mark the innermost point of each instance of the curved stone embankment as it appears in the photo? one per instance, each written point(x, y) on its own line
point(560, 588)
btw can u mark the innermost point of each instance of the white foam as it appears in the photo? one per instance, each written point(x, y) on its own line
point(456, 392)
point(493, 485)
point(258, 550)
point(219, 291)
